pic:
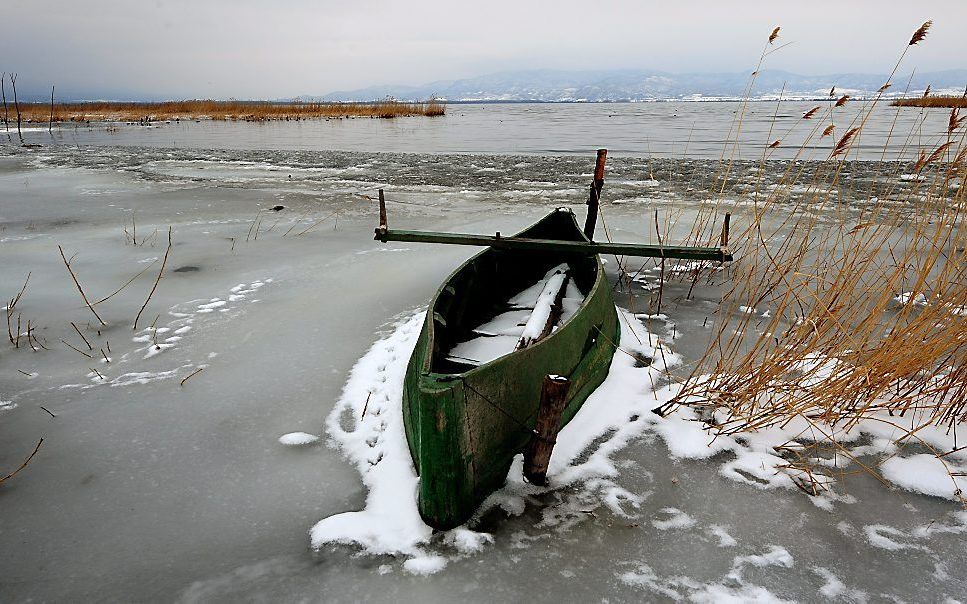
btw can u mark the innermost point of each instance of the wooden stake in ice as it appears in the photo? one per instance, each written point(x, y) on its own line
point(595, 195)
point(537, 455)
point(383, 226)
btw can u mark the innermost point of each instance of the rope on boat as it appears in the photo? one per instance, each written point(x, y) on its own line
point(499, 408)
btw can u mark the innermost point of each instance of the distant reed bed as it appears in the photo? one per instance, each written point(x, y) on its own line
point(253, 111)
point(941, 101)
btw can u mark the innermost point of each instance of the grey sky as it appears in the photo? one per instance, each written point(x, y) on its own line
point(251, 49)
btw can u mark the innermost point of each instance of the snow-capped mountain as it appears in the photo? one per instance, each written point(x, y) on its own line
point(646, 85)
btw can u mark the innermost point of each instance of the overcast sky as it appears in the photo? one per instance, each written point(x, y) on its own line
point(258, 49)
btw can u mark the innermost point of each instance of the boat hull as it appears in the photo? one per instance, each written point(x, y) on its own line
point(465, 427)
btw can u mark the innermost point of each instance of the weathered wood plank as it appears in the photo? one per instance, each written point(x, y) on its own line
point(717, 254)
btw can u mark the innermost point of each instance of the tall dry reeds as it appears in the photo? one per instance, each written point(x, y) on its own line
point(845, 304)
point(223, 110)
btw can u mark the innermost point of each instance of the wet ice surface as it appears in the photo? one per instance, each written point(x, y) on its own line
point(148, 489)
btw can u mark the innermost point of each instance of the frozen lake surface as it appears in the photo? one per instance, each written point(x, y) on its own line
point(148, 489)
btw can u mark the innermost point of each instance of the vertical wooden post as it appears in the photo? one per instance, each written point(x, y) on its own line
point(383, 226)
point(16, 103)
point(3, 91)
point(595, 195)
point(51, 122)
point(724, 243)
point(537, 455)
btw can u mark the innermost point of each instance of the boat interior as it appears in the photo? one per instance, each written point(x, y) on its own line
point(503, 300)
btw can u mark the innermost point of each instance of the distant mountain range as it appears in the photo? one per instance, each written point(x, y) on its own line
point(644, 85)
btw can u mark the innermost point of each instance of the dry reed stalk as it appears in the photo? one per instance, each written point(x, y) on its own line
point(315, 224)
point(127, 283)
point(72, 347)
point(154, 287)
point(24, 464)
point(89, 347)
point(840, 346)
point(11, 305)
point(189, 376)
point(78, 284)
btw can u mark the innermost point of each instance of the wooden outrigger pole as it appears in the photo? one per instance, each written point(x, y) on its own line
point(715, 254)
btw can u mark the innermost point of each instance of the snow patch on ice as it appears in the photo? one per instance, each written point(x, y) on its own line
point(775, 556)
point(298, 439)
point(426, 564)
point(466, 541)
point(676, 519)
point(185, 316)
point(885, 537)
point(366, 424)
point(376, 444)
point(926, 474)
point(725, 539)
point(911, 298)
point(733, 588)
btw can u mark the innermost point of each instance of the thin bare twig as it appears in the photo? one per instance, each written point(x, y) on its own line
point(129, 282)
point(197, 371)
point(156, 281)
point(72, 347)
point(315, 224)
point(79, 288)
point(24, 464)
point(89, 347)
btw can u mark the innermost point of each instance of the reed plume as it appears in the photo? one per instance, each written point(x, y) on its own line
point(844, 142)
point(921, 33)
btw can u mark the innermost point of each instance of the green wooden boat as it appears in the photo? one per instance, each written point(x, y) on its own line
point(467, 415)
point(466, 421)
